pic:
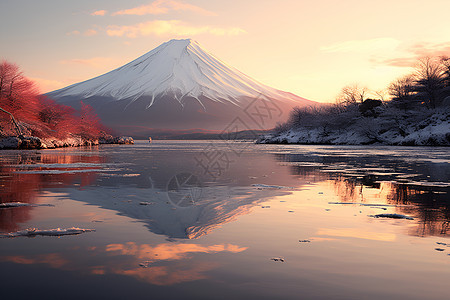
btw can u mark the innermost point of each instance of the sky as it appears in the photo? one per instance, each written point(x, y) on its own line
point(311, 48)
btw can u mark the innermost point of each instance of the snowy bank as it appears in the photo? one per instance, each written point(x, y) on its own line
point(31, 142)
point(389, 127)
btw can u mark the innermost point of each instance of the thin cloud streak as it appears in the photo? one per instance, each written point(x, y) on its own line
point(414, 52)
point(94, 62)
point(163, 7)
point(362, 45)
point(169, 27)
point(89, 32)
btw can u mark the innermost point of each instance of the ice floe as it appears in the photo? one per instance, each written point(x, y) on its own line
point(280, 259)
point(379, 205)
point(260, 185)
point(32, 232)
point(20, 204)
point(392, 216)
point(145, 264)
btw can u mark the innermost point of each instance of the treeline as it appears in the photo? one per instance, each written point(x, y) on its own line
point(415, 95)
point(23, 111)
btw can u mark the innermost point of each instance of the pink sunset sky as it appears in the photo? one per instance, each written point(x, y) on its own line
point(310, 48)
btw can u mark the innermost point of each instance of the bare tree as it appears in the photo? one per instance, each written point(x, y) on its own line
point(445, 61)
point(352, 94)
point(402, 88)
point(430, 79)
point(382, 94)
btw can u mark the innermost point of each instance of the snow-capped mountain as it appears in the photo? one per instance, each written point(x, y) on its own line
point(177, 85)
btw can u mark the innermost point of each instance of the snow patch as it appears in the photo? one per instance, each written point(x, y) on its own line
point(20, 204)
point(32, 232)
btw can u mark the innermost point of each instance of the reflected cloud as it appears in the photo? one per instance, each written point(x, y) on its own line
point(168, 251)
point(162, 275)
point(54, 260)
point(165, 264)
point(357, 233)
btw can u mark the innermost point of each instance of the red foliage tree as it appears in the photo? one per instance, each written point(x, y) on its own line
point(18, 94)
point(89, 125)
point(39, 115)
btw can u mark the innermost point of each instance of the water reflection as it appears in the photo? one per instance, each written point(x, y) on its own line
point(160, 264)
point(23, 175)
point(155, 231)
point(406, 185)
point(136, 182)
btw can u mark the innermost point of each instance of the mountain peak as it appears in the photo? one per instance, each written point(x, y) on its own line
point(179, 67)
point(174, 47)
point(186, 41)
point(177, 85)
point(179, 43)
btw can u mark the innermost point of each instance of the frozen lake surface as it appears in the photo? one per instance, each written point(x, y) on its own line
point(219, 220)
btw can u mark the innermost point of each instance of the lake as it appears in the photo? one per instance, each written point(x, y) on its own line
point(226, 220)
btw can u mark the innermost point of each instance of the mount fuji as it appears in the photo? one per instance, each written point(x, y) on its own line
point(179, 87)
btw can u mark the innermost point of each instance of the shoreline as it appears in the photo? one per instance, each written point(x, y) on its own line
point(347, 144)
point(35, 143)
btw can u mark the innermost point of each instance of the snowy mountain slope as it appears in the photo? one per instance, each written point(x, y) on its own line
point(178, 74)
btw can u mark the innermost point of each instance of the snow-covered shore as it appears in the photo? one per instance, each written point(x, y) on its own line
point(31, 142)
point(402, 128)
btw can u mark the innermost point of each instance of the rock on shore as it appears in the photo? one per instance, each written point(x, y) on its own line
point(123, 140)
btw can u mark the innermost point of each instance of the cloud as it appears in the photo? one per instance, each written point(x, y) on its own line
point(412, 53)
point(169, 27)
point(169, 251)
point(163, 7)
point(46, 85)
point(99, 13)
point(403, 62)
point(94, 62)
point(74, 32)
point(362, 45)
point(357, 233)
point(89, 32)
point(430, 49)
